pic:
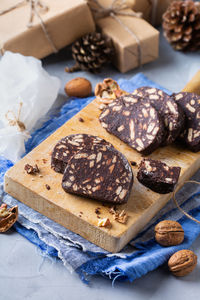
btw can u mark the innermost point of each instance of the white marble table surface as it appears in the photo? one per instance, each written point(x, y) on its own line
point(25, 274)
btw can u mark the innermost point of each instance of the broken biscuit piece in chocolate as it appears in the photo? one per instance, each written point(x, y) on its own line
point(69, 145)
point(190, 103)
point(139, 126)
point(158, 176)
point(103, 174)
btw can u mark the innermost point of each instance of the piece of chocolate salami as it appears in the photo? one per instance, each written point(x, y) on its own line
point(69, 145)
point(190, 103)
point(139, 126)
point(171, 113)
point(157, 176)
point(103, 174)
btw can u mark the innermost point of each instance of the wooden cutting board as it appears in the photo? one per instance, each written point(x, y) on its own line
point(78, 213)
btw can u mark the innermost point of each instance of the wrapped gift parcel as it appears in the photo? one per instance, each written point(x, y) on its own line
point(135, 41)
point(152, 10)
point(40, 28)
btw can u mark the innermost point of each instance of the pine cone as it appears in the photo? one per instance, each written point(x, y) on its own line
point(181, 25)
point(90, 52)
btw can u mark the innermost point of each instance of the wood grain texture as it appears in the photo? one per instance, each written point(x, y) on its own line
point(65, 208)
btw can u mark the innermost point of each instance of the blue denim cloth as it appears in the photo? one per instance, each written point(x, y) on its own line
point(140, 256)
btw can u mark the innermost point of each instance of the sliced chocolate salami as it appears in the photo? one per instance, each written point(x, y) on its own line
point(139, 126)
point(170, 112)
point(103, 174)
point(69, 145)
point(157, 176)
point(190, 103)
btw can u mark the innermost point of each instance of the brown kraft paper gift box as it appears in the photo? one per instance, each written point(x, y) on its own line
point(152, 9)
point(126, 48)
point(65, 22)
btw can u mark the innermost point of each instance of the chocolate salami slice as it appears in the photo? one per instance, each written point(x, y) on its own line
point(157, 176)
point(190, 103)
point(169, 110)
point(69, 145)
point(139, 126)
point(103, 174)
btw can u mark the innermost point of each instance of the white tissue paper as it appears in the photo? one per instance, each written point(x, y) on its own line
point(27, 92)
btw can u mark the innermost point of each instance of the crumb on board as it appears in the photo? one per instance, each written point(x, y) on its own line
point(81, 119)
point(97, 211)
point(31, 169)
point(119, 216)
point(47, 187)
point(104, 222)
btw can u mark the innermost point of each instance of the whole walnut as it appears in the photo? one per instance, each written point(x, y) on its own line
point(78, 87)
point(182, 262)
point(169, 233)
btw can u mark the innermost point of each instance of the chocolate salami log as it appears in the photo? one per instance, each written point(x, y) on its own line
point(69, 145)
point(190, 104)
point(103, 174)
point(139, 126)
point(157, 176)
point(168, 109)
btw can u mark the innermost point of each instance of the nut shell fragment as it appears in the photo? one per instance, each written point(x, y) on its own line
point(7, 217)
point(104, 223)
point(107, 91)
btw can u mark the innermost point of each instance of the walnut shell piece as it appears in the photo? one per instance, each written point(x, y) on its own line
point(104, 223)
point(8, 217)
point(182, 262)
point(78, 87)
point(108, 90)
point(169, 233)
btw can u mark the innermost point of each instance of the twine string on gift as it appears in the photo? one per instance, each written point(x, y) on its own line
point(178, 206)
point(36, 8)
point(15, 121)
point(114, 10)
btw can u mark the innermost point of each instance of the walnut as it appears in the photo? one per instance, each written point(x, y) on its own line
point(78, 87)
point(104, 223)
point(7, 217)
point(182, 262)
point(107, 91)
point(169, 233)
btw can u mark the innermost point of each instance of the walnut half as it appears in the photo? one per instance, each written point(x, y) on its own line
point(8, 217)
point(107, 91)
